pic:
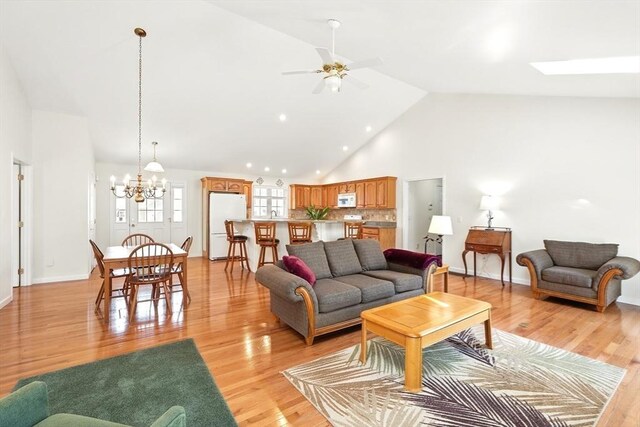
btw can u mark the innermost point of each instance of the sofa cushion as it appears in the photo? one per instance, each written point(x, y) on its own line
point(333, 295)
point(295, 265)
point(372, 288)
point(403, 282)
point(313, 255)
point(569, 276)
point(580, 254)
point(370, 254)
point(342, 258)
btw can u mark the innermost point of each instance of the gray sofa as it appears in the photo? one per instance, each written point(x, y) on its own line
point(352, 275)
point(578, 271)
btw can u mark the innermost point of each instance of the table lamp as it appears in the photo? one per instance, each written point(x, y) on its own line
point(488, 203)
point(441, 226)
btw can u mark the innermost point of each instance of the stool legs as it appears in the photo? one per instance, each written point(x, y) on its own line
point(232, 257)
point(263, 252)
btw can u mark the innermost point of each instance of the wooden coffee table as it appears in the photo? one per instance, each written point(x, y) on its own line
point(418, 322)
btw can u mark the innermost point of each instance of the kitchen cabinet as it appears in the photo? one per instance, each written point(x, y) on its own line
point(385, 235)
point(299, 196)
point(234, 187)
point(370, 194)
point(246, 190)
point(360, 200)
point(317, 198)
point(332, 196)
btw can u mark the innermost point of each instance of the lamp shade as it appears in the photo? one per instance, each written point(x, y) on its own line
point(488, 203)
point(154, 166)
point(441, 225)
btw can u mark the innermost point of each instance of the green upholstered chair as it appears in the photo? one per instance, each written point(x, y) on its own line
point(29, 406)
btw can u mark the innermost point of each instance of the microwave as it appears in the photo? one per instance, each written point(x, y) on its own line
point(347, 200)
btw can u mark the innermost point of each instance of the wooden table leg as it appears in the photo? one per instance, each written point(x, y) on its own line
point(464, 261)
point(107, 293)
point(502, 269)
point(446, 280)
point(185, 289)
point(413, 365)
point(363, 343)
point(487, 331)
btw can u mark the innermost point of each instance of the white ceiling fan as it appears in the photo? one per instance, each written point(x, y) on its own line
point(335, 72)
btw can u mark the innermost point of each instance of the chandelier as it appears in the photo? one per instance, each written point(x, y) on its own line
point(140, 192)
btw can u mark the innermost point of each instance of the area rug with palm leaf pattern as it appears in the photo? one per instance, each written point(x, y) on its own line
point(519, 383)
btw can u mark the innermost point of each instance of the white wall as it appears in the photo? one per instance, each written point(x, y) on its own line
point(15, 143)
point(194, 197)
point(565, 168)
point(63, 163)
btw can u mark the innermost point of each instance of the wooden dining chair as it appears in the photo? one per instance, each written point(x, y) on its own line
point(178, 269)
point(137, 240)
point(266, 238)
point(235, 241)
point(299, 232)
point(353, 230)
point(150, 264)
point(121, 272)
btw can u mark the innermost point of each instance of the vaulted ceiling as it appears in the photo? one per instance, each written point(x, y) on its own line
point(212, 85)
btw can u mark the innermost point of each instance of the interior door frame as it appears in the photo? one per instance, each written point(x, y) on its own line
point(405, 205)
point(27, 219)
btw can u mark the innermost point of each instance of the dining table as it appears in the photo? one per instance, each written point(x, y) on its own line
point(116, 257)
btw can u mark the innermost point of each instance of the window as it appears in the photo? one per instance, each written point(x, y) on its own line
point(267, 199)
point(177, 204)
point(151, 210)
point(121, 206)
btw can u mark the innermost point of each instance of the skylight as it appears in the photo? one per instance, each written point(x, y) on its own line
point(612, 65)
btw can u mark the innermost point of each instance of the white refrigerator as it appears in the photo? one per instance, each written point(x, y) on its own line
point(223, 206)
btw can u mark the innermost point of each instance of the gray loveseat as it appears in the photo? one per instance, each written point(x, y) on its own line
point(578, 271)
point(352, 275)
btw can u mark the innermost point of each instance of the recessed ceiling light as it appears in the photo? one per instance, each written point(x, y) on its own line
point(345, 148)
point(284, 171)
point(267, 169)
point(368, 128)
point(249, 165)
point(318, 172)
point(282, 117)
point(612, 65)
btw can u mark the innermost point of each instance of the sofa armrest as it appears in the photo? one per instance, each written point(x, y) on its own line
point(174, 417)
point(283, 283)
point(539, 258)
point(26, 406)
point(628, 266)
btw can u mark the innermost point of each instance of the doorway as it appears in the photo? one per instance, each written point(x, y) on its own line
point(20, 224)
point(424, 201)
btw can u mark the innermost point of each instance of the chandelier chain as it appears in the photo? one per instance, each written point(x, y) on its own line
point(140, 107)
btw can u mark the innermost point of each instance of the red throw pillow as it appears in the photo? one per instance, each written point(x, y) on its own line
point(296, 266)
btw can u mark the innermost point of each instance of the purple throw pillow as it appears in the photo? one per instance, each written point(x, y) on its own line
point(298, 267)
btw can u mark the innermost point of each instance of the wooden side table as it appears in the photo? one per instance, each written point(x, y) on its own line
point(444, 270)
point(482, 240)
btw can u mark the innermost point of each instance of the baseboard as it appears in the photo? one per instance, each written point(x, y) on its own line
point(629, 300)
point(7, 300)
point(516, 280)
point(39, 280)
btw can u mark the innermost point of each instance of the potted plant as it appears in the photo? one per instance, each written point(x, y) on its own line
point(317, 213)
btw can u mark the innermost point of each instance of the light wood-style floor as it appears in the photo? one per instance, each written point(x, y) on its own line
point(53, 326)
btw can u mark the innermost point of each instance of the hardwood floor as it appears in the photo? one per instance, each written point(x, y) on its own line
point(53, 326)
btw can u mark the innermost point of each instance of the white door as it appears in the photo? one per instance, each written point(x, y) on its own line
point(151, 217)
point(178, 215)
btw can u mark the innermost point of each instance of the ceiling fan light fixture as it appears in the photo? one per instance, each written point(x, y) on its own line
point(334, 83)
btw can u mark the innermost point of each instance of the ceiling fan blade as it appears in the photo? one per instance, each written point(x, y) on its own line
point(319, 88)
point(365, 63)
point(325, 54)
point(357, 83)
point(287, 73)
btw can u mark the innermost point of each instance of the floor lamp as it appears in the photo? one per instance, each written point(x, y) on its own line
point(440, 226)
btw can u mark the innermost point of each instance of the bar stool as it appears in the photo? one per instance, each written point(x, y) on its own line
point(353, 230)
point(266, 238)
point(299, 232)
point(235, 240)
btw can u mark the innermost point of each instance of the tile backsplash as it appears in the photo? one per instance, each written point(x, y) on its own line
point(367, 214)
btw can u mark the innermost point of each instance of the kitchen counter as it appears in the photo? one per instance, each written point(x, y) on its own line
point(322, 221)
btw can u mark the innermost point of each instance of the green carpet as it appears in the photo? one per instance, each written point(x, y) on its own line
point(136, 388)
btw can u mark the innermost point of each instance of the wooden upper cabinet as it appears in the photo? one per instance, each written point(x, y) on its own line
point(246, 190)
point(386, 192)
point(332, 196)
point(217, 185)
point(360, 199)
point(234, 186)
point(351, 187)
point(342, 188)
point(299, 196)
point(370, 194)
point(317, 199)
point(306, 196)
